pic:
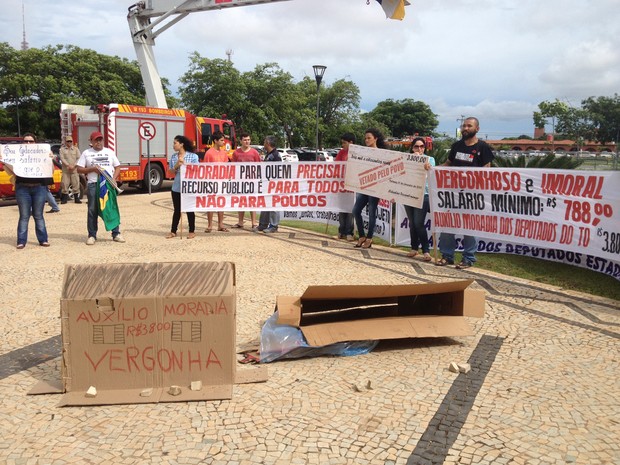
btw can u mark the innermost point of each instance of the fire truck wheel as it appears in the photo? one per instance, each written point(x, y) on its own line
point(156, 178)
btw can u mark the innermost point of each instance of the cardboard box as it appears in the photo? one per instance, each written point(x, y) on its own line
point(133, 331)
point(329, 314)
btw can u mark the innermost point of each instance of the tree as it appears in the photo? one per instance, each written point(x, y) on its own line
point(549, 161)
point(406, 117)
point(604, 115)
point(34, 82)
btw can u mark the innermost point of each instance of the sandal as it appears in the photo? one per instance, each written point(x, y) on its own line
point(427, 257)
point(443, 262)
point(367, 244)
point(223, 229)
point(464, 265)
point(360, 242)
point(237, 226)
point(191, 235)
point(412, 254)
point(208, 230)
point(170, 235)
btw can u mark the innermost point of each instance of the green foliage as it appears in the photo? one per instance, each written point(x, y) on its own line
point(35, 82)
point(406, 117)
point(604, 113)
point(549, 161)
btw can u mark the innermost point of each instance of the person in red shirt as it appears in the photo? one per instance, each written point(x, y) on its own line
point(216, 154)
point(246, 154)
point(345, 229)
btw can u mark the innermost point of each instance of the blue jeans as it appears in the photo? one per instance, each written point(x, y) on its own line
point(51, 200)
point(345, 221)
point(417, 231)
point(93, 211)
point(361, 200)
point(30, 201)
point(447, 246)
point(269, 219)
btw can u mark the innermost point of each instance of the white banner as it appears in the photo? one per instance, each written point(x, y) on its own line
point(276, 186)
point(387, 174)
point(568, 210)
point(383, 227)
point(28, 160)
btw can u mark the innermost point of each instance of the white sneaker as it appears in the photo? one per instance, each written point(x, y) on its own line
point(91, 241)
point(118, 238)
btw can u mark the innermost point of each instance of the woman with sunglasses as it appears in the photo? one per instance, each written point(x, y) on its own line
point(416, 216)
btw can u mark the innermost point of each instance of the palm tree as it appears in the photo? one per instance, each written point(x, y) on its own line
point(549, 161)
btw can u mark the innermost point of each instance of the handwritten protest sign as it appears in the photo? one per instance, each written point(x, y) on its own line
point(28, 160)
point(275, 186)
point(387, 174)
point(569, 210)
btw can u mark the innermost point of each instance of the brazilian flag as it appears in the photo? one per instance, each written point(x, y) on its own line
point(108, 206)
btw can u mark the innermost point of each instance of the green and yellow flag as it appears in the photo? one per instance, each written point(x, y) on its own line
point(108, 206)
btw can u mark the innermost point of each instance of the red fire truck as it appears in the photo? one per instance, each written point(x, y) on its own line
point(123, 128)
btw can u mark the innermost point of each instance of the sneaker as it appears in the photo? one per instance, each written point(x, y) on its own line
point(350, 239)
point(118, 238)
point(270, 230)
point(91, 241)
point(259, 228)
point(52, 211)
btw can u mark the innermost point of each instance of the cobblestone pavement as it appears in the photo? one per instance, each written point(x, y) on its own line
point(543, 387)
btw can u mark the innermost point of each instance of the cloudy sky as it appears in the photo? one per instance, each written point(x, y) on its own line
point(494, 59)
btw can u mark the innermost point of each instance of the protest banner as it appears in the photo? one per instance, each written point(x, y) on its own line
point(387, 174)
point(277, 186)
point(582, 260)
point(28, 160)
point(568, 210)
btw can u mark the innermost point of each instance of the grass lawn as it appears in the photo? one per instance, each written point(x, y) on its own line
point(542, 271)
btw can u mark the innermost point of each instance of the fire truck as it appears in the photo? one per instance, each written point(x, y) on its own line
point(141, 136)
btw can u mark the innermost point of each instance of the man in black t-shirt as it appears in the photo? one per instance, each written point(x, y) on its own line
point(467, 152)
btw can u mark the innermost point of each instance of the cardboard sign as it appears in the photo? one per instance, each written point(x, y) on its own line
point(148, 332)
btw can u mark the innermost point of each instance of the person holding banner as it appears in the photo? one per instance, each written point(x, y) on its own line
point(268, 221)
point(31, 194)
point(372, 138)
point(183, 148)
point(416, 216)
point(216, 154)
point(469, 152)
point(345, 220)
point(246, 154)
point(92, 162)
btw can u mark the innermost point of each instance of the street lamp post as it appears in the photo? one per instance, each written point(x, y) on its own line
point(319, 71)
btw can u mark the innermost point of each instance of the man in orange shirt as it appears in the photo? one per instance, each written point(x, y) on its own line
point(245, 154)
point(216, 154)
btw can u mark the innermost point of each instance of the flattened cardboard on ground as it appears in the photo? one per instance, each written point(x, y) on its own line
point(129, 328)
point(330, 314)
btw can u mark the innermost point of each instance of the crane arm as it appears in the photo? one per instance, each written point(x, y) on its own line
point(149, 18)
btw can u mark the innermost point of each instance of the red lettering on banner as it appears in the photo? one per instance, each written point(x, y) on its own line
point(210, 171)
point(283, 187)
point(210, 201)
point(247, 201)
point(573, 185)
point(296, 201)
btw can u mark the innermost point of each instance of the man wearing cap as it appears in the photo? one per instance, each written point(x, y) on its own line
point(69, 155)
point(91, 161)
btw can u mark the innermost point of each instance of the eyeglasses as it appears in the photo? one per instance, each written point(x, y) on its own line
point(418, 146)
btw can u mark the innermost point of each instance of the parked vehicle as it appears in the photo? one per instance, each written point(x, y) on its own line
point(288, 155)
point(126, 129)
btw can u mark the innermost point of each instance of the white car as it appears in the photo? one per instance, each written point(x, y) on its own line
point(322, 155)
point(288, 155)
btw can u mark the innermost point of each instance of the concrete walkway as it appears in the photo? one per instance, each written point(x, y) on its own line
point(543, 388)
